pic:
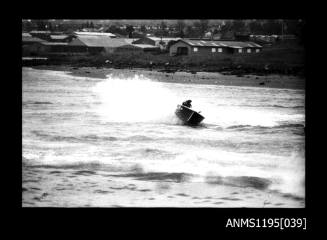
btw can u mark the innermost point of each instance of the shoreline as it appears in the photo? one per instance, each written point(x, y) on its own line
point(211, 78)
point(103, 189)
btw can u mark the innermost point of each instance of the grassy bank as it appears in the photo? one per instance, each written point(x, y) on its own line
point(279, 59)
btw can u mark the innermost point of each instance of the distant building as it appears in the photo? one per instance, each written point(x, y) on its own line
point(163, 43)
point(147, 48)
point(57, 33)
point(241, 36)
point(118, 35)
point(91, 30)
point(35, 46)
point(61, 38)
point(264, 39)
point(52, 47)
point(155, 41)
point(25, 34)
point(30, 45)
point(287, 38)
point(29, 39)
point(35, 32)
point(45, 35)
point(206, 48)
point(137, 34)
point(111, 35)
point(130, 40)
point(97, 44)
point(94, 44)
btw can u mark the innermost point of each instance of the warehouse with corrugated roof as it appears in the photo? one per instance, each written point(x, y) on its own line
point(94, 44)
point(97, 44)
point(201, 47)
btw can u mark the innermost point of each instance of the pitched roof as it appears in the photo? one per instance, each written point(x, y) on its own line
point(145, 46)
point(39, 32)
point(59, 37)
point(165, 39)
point(98, 41)
point(130, 40)
point(95, 34)
point(230, 44)
point(26, 35)
point(54, 43)
point(31, 39)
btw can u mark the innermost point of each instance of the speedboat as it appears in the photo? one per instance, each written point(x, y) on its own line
point(188, 116)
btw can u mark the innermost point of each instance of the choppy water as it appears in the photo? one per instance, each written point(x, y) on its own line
point(125, 126)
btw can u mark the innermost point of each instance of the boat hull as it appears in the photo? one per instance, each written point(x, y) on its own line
point(188, 116)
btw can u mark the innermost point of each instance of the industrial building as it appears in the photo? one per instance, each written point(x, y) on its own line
point(201, 47)
point(97, 44)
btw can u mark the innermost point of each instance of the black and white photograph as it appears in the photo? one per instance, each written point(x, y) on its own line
point(148, 113)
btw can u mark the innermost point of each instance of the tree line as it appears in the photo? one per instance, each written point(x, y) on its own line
point(182, 28)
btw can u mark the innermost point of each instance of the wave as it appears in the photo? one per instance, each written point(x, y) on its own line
point(280, 106)
point(293, 196)
point(240, 181)
point(93, 137)
point(87, 167)
point(258, 105)
point(239, 126)
point(291, 125)
point(36, 103)
point(152, 153)
point(139, 138)
point(82, 138)
point(234, 181)
point(274, 106)
point(90, 138)
point(77, 165)
point(78, 172)
point(281, 126)
point(139, 172)
point(157, 176)
point(85, 172)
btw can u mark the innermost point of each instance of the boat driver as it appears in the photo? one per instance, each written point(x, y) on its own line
point(187, 103)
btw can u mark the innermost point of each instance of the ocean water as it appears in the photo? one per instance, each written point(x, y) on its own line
point(80, 132)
